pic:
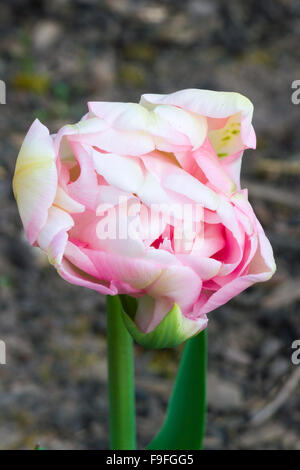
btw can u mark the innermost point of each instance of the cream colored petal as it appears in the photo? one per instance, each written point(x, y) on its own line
point(35, 179)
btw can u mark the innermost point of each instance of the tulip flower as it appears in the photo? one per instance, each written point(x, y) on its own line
point(144, 201)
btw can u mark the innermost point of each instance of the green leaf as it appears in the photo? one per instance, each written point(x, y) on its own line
point(171, 331)
point(184, 426)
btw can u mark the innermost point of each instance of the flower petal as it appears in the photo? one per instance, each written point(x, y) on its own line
point(85, 188)
point(122, 116)
point(206, 268)
point(65, 202)
point(172, 284)
point(260, 269)
point(212, 104)
point(123, 172)
point(71, 274)
point(127, 132)
point(210, 164)
point(139, 273)
point(228, 116)
point(185, 184)
point(35, 179)
point(180, 124)
point(52, 237)
point(173, 329)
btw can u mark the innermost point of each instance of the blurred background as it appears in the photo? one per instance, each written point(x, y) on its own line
point(55, 56)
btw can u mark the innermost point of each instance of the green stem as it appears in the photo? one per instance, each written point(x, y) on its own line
point(184, 427)
point(120, 378)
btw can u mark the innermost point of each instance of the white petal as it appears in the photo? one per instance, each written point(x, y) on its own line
point(123, 172)
point(190, 187)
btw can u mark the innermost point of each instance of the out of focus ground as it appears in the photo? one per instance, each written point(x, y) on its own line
point(55, 56)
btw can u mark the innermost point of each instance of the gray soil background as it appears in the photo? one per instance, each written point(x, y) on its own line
point(56, 56)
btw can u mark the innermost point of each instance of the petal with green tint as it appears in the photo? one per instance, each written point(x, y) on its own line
point(173, 330)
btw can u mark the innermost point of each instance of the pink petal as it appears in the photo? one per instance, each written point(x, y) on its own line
point(69, 272)
point(206, 268)
point(172, 285)
point(139, 273)
point(52, 237)
point(151, 312)
point(260, 269)
point(211, 166)
point(85, 188)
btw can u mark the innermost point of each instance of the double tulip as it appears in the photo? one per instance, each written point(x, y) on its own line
point(144, 200)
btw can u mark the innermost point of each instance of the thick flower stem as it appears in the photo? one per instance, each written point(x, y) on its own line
point(121, 379)
point(184, 427)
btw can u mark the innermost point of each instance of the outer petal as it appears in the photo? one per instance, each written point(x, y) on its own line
point(35, 179)
point(261, 268)
point(170, 332)
point(212, 104)
point(124, 116)
point(90, 127)
point(95, 131)
point(126, 132)
point(228, 115)
point(232, 166)
point(71, 274)
point(169, 125)
point(185, 128)
point(80, 269)
point(151, 312)
point(172, 284)
point(53, 237)
point(170, 288)
point(265, 262)
point(139, 273)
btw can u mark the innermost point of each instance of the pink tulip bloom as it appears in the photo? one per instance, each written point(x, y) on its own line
point(124, 162)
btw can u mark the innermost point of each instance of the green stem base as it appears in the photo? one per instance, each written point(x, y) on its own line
point(121, 379)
